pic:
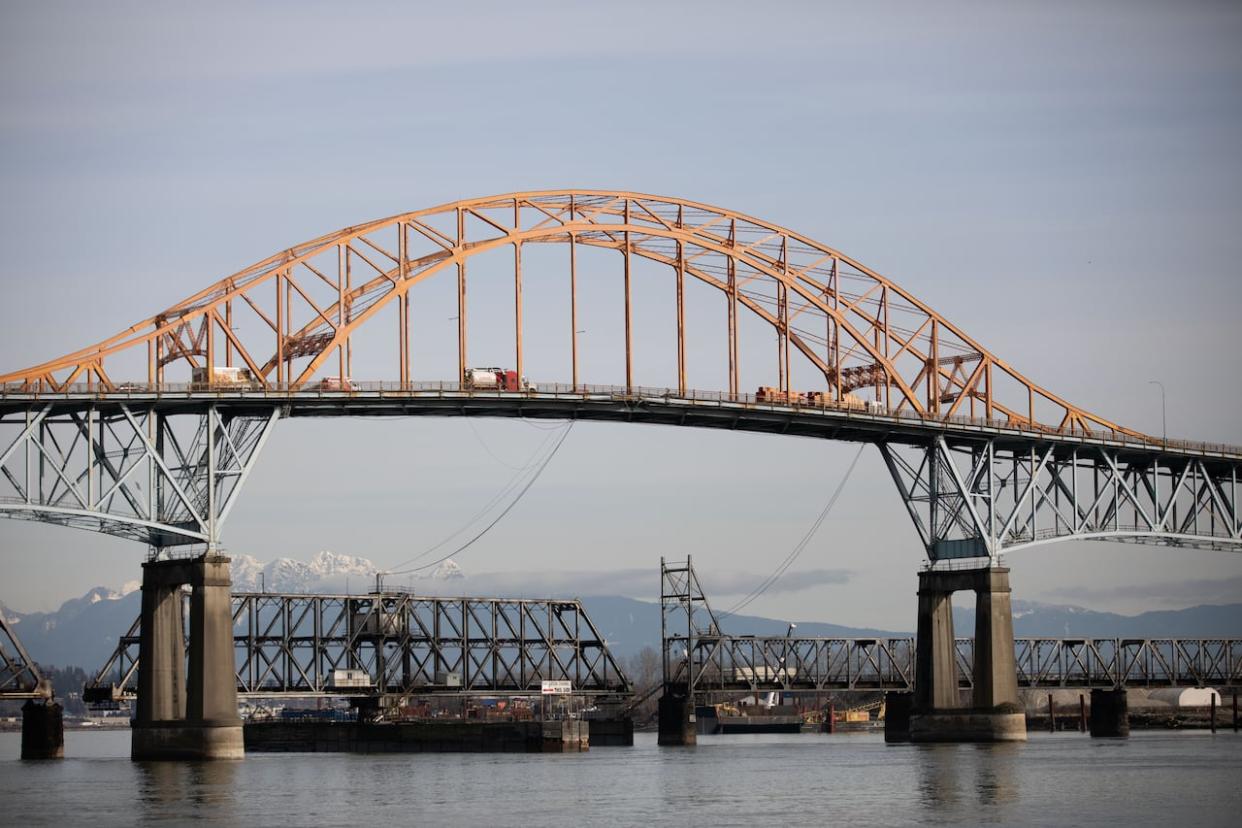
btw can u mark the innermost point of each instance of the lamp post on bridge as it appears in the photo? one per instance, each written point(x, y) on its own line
point(1164, 423)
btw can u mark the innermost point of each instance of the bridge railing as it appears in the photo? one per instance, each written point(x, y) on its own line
point(367, 389)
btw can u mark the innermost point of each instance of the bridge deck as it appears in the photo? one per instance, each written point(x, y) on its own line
point(705, 409)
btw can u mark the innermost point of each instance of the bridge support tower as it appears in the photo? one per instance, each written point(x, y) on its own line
point(43, 729)
point(897, 716)
point(176, 718)
point(677, 720)
point(1110, 713)
point(994, 713)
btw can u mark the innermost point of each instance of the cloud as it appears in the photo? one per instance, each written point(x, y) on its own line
point(634, 583)
point(1173, 594)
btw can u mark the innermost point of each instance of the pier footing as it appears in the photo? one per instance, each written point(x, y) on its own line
point(967, 726)
point(677, 719)
point(1109, 713)
point(43, 730)
point(897, 707)
point(185, 740)
point(178, 718)
point(994, 713)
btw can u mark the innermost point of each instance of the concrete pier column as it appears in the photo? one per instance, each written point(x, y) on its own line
point(677, 720)
point(995, 670)
point(935, 659)
point(197, 719)
point(897, 707)
point(161, 653)
point(43, 730)
point(1110, 713)
point(212, 692)
point(994, 714)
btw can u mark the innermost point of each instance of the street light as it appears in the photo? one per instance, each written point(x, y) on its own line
point(1164, 422)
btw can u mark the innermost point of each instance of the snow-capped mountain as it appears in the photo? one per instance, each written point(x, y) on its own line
point(447, 571)
point(326, 571)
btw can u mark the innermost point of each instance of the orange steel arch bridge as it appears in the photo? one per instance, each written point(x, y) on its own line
point(150, 434)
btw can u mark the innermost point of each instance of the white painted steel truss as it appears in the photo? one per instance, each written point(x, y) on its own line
point(977, 499)
point(136, 470)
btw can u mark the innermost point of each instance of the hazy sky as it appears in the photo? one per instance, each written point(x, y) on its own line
point(1062, 180)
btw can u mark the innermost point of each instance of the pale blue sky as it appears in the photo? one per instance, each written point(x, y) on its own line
point(1061, 179)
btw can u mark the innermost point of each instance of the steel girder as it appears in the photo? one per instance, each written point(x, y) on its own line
point(292, 645)
point(20, 677)
point(977, 498)
point(164, 475)
point(138, 463)
point(283, 329)
point(290, 319)
point(755, 664)
point(699, 655)
point(685, 619)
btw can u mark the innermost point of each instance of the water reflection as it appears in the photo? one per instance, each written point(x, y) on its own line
point(165, 788)
point(954, 775)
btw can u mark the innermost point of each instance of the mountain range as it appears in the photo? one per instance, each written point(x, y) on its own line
point(83, 631)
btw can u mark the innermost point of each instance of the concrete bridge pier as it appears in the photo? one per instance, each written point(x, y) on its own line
point(677, 720)
point(897, 716)
point(176, 719)
point(1110, 713)
point(994, 713)
point(43, 729)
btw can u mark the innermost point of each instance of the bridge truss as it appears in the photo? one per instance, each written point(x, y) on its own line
point(20, 677)
point(984, 458)
point(160, 473)
point(699, 655)
point(297, 645)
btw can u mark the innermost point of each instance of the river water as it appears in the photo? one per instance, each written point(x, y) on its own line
point(1152, 778)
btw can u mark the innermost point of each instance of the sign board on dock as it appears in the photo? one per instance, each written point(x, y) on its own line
point(557, 688)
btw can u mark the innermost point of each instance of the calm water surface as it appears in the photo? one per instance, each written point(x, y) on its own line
point(1170, 779)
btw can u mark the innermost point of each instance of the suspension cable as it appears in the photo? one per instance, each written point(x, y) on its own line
point(513, 483)
point(499, 517)
point(784, 565)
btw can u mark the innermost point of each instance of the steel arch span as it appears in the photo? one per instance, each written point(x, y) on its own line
point(985, 459)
